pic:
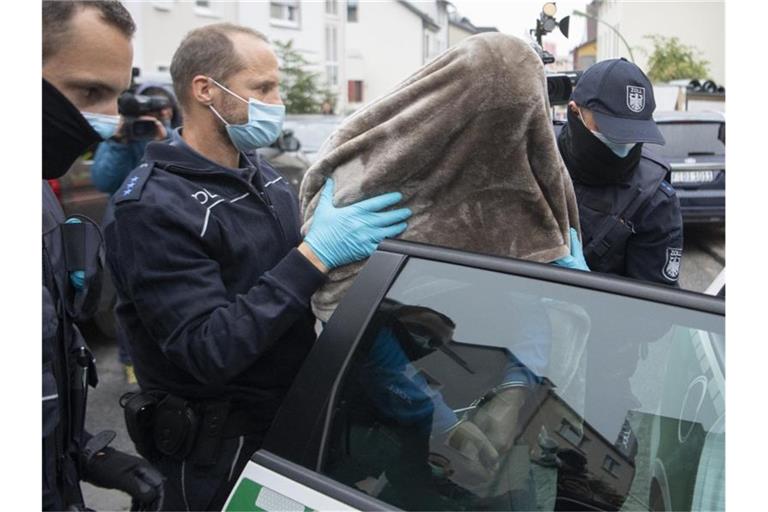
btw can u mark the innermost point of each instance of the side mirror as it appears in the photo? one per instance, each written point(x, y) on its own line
point(288, 142)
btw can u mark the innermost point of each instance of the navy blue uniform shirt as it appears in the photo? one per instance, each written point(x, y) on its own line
point(212, 293)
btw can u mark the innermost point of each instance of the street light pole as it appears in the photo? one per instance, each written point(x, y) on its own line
point(580, 13)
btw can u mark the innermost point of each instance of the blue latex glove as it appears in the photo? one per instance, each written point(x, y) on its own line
point(576, 259)
point(77, 277)
point(339, 236)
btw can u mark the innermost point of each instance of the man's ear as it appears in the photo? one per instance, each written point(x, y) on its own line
point(573, 107)
point(202, 90)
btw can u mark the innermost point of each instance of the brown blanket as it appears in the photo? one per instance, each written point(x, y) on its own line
point(468, 141)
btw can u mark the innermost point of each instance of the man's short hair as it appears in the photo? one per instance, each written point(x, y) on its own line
point(57, 16)
point(207, 51)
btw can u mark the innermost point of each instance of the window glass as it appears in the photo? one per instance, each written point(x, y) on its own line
point(355, 91)
point(476, 390)
point(352, 11)
point(690, 139)
point(286, 11)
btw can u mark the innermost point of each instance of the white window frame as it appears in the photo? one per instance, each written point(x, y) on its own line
point(283, 22)
point(332, 54)
point(205, 10)
point(335, 4)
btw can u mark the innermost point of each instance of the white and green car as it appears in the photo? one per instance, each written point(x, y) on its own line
point(455, 381)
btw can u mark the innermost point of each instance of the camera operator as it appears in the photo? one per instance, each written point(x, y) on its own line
point(630, 216)
point(122, 153)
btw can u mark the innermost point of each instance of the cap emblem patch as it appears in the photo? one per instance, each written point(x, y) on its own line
point(635, 98)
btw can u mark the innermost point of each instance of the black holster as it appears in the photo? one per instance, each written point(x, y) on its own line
point(166, 425)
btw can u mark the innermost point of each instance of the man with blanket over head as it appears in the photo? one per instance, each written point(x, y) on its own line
point(468, 141)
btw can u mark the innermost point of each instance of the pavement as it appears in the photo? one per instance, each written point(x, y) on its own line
point(703, 259)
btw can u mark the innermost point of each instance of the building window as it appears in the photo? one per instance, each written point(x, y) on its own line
point(203, 8)
point(352, 11)
point(332, 7)
point(285, 13)
point(570, 433)
point(355, 91)
point(332, 55)
point(610, 465)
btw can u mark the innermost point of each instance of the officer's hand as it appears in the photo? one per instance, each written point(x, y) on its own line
point(497, 418)
point(576, 259)
point(339, 236)
point(112, 469)
point(472, 443)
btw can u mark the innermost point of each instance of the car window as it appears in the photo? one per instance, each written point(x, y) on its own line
point(311, 134)
point(477, 390)
point(690, 139)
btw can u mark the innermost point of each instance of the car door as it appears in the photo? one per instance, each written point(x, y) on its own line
point(455, 381)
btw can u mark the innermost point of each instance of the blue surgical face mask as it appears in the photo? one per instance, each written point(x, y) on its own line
point(619, 149)
point(265, 123)
point(105, 125)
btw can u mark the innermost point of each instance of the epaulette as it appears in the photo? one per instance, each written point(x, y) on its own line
point(668, 190)
point(133, 185)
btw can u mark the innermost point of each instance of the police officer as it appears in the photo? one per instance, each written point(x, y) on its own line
point(86, 63)
point(212, 275)
point(630, 216)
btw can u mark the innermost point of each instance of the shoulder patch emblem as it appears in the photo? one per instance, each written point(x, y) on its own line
point(671, 269)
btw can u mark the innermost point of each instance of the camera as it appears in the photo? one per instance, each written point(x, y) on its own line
point(560, 86)
point(131, 106)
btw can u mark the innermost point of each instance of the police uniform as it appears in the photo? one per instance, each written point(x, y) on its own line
point(629, 215)
point(213, 296)
point(72, 263)
point(66, 358)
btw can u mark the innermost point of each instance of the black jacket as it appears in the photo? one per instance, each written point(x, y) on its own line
point(633, 228)
point(66, 358)
point(212, 293)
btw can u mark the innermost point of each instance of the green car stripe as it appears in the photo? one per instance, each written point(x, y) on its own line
point(247, 494)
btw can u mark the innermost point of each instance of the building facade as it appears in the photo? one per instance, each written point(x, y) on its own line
point(699, 24)
point(361, 49)
point(387, 41)
point(317, 29)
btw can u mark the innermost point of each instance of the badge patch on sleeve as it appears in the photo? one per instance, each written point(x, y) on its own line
point(672, 266)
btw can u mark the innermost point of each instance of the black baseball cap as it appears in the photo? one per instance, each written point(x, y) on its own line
point(621, 98)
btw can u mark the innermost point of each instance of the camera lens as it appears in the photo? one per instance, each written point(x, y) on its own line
point(559, 89)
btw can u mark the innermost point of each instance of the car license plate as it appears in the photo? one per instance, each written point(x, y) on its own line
point(693, 176)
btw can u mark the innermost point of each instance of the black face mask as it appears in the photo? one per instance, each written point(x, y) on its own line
point(588, 160)
point(66, 133)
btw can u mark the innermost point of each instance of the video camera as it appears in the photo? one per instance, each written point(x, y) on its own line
point(559, 85)
point(131, 106)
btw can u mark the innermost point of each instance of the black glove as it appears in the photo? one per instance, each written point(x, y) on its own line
point(112, 469)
